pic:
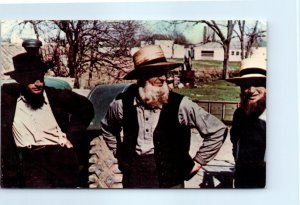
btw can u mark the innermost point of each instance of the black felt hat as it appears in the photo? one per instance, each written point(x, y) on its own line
point(26, 65)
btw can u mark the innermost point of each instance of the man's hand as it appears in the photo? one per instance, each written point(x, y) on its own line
point(68, 144)
point(194, 171)
point(196, 168)
point(65, 142)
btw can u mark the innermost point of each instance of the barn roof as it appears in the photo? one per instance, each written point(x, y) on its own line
point(7, 51)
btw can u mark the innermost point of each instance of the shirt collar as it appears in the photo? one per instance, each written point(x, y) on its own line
point(263, 115)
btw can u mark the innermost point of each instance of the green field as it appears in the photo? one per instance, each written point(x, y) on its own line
point(207, 63)
point(219, 90)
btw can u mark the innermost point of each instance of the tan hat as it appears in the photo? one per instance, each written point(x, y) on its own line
point(252, 69)
point(150, 61)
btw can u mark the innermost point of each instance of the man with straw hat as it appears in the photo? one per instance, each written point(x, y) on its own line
point(156, 123)
point(248, 132)
point(40, 129)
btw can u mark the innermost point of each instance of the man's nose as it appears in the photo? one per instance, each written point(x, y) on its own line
point(38, 83)
point(252, 89)
point(162, 78)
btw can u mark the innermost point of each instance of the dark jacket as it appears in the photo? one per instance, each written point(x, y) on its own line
point(248, 137)
point(171, 141)
point(72, 112)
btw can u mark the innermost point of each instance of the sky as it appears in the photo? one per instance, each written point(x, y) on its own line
point(192, 32)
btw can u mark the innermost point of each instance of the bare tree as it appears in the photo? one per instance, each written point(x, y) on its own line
point(73, 32)
point(248, 37)
point(253, 37)
point(224, 31)
point(225, 37)
point(96, 48)
point(34, 24)
point(241, 34)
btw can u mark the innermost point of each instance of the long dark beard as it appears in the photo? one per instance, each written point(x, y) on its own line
point(35, 101)
point(253, 109)
point(153, 96)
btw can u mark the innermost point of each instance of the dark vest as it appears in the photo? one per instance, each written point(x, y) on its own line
point(171, 140)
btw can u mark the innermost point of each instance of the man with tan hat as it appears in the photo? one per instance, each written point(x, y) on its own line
point(156, 123)
point(248, 132)
point(40, 129)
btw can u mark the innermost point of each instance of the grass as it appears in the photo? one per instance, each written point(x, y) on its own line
point(208, 63)
point(220, 90)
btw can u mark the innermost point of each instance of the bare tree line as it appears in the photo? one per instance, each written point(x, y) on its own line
point(103, 47)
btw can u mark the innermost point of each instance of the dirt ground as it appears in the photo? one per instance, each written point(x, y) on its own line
point(217, 173)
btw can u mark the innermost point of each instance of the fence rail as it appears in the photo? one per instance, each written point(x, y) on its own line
point(221, 109)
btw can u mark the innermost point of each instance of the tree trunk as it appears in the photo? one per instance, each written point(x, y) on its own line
point(71, 62)
point(225, 61)
point(76, 81)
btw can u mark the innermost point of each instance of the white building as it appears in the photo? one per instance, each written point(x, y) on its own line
point(214, 51)
point(208, 51)
point(170, 49)
point(179, 51)
point(166, 46)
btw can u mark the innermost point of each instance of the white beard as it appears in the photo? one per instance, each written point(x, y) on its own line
point(153, 96)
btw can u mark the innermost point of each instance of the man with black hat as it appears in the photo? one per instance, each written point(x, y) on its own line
point(40, 127)
point(156, 123)
point(248, 132)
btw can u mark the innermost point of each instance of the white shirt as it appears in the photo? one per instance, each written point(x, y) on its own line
point(36, 127)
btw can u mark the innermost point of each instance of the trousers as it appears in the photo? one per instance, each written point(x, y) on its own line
point(51, 166)
point(143, 174)
point(250, 176)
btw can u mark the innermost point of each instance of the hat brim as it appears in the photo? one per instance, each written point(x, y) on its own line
point(246, 80)
point(152, 70)
point(9, 73)
point(20, 73)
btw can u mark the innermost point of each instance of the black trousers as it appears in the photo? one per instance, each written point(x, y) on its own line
point(143, 174)
point(49, 166)
point(250, 176)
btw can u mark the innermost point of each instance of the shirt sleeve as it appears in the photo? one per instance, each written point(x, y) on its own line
point(211, 129)
point(111, 125)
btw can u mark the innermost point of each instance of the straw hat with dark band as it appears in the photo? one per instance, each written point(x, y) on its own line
point(253, 70)
point(150, 61)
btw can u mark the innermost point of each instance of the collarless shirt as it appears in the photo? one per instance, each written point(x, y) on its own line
point(36, 127)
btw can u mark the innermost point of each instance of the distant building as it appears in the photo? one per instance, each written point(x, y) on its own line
point(170, 49)
point(166, 46)
point(207, 51)
point(214, 51)
point(179, 51)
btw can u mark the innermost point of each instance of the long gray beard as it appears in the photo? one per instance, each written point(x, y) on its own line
point(153, 96)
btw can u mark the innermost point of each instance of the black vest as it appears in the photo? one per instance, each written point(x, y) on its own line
point(171, 140)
